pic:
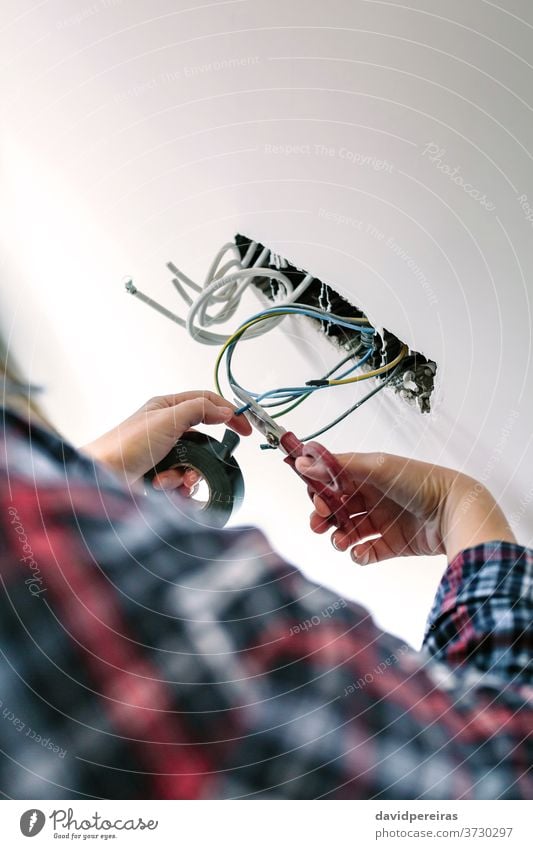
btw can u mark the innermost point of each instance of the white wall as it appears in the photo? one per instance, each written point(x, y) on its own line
point(136, 132)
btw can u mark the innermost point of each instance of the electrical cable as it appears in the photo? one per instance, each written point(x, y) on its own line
point(385, 382)
point(298, 390)
point(375, 373)
point(299, 309)
point(302, 397)
point(293, 391)
point(389, 379)
point(294, 309)
point(355, 367)
point(218, 299)
point(225, 287)
point(298, 394)
point(331, 371)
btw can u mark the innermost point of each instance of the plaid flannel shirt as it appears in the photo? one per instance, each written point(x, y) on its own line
point(144, 656)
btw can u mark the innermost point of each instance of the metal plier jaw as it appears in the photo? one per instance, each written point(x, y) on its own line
point(259, 418)
point(335, 483)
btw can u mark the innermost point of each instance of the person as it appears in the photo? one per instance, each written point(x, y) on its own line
point(146, 655)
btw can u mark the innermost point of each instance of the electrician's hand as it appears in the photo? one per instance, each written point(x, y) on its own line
point(409, 507)
point(143, 439)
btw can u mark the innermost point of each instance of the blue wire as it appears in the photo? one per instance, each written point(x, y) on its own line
point(357, 365)
point(308, 389)
point(288, 391)
point(292, 392)
point(316, 315)
point(297, 391)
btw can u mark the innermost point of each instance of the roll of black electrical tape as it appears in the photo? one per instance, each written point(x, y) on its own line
point(214, 461)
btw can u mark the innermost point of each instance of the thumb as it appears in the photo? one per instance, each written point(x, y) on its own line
point(183, 416)
point(413, 484)
point(398, 477)
point(313, 468)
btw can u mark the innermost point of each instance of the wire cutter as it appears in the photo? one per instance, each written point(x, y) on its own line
point(278, 437)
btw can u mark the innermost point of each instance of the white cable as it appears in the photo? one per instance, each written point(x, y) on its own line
point(221, 293)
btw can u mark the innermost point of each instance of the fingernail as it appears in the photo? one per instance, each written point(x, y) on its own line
point(191, 476)
point(226, 412)
point(304, 464)
point(359, 557)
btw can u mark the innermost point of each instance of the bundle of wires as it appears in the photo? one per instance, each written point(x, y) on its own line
point(216, 301)
point(295, 395)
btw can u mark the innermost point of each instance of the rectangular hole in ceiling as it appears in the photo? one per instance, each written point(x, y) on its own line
point(415, 381)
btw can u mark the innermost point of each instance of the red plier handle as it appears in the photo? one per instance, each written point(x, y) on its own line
point(336, 485)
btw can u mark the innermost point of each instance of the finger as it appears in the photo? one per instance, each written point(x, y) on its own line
point(319, 524)
point(169, 479)
point(188, 491)
point(407, 482)
point(354, 504)
point(238, 423)
point(192, 478)
point(361, 528)
point(172, 486)
point(396, 477)
point(371, 551)
point(354, 501)
point(195, 411)
point(314, 469)
point(174, 478)
point(321, 507)
point(204, 410)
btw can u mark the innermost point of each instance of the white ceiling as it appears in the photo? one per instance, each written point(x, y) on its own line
point(135, 132)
